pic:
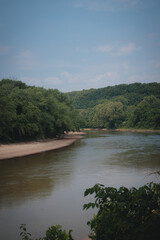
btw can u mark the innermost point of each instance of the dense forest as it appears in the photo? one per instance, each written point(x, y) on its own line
point(28, 113)
point(134, 105)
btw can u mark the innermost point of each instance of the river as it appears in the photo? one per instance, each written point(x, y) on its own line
point(47, 189)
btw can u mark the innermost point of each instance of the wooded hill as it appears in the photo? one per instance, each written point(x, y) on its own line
point(133, 93)
point(134, 105)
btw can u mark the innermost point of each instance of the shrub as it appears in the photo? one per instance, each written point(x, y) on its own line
point(125, 214)
point(52, 233)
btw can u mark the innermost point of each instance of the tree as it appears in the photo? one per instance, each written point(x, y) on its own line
point(34, 112)
point(131, 97)
point(147, 113)
point(88, 119)
point(110, 114)
point(7, 112)
point(125, 214)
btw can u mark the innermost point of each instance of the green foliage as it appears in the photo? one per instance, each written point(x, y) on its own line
point(147, 113)
point(125, 214)
point(88, 117)
point(24, 234)
point(133, 93)
point(56, 233)
point(110, 115)
point(34, 112)
point(123, 106)
point(52, 233)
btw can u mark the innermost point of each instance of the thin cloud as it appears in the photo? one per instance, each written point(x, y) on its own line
point(107, 5)
point(125, 65)
point(107, 75)
point(62, 78)
point(68, 77)
point(104, 48)
point(117, 51)
point(127, 49)
point(152, 36)
point(31, 81)
point(136, 78)
point(26, 60)
point(51, 81)
point(78, 4)
point(157, 65)
point(4, 50)
point(144, 77)
point(66, 74)
point(48, 81)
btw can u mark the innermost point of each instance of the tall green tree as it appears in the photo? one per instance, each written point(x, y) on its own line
point(147, 113)
point(7, 113)
point(110, 115)
point(34, 112)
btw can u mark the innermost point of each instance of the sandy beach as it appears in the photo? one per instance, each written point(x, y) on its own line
point(13, 150)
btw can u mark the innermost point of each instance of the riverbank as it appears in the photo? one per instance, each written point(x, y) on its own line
point(123, 130)
point(8, 151)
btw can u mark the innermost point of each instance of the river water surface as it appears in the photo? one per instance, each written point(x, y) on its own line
point(47, 189)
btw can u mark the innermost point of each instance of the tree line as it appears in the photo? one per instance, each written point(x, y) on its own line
point(33, 112)
point(123, 106)
point(29, 112)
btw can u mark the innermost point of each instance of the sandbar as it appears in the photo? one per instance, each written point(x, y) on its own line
point(13, 150)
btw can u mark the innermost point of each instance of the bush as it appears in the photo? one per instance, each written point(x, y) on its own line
point(125, 214)
point(52, 233)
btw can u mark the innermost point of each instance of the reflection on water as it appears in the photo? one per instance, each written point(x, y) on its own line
point(47, 188)
point(33, 176)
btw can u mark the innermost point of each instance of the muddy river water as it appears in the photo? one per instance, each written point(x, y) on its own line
point(48, 188)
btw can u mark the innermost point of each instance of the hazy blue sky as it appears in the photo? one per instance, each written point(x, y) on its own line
point(80, 44)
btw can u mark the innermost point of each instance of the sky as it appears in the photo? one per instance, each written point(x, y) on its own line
point(72, 45)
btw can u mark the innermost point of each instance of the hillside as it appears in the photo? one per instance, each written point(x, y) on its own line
point(134, 105)
point(134, 93)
